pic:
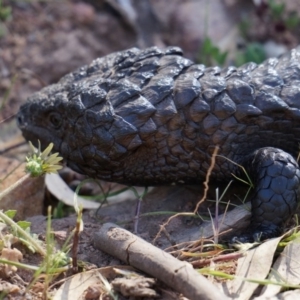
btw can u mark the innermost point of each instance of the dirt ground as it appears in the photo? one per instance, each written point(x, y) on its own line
point(40, 41)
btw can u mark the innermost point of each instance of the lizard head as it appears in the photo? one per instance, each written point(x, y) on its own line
point(42, 117)
point(96, 118)
point(81, 123)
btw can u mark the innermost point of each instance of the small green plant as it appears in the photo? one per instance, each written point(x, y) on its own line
point(62, 210)
point(276, 9)
point(21, 231)
point(292, 21)
point(54, 262)
point(40, 163)
point(253, 52)
point(5, 12)
point(5, 97)
point(210, 54)
point(282, 19)
point(275, 22)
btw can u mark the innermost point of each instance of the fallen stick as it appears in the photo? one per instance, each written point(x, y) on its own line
point(140, 254)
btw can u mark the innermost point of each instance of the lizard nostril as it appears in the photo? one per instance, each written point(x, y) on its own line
point(20, 120)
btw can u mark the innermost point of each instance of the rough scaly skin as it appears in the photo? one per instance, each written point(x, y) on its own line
point(153, 117)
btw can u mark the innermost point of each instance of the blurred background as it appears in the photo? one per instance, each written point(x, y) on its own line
point(41, 40)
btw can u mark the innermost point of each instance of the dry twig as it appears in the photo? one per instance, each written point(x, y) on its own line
point(142, 255)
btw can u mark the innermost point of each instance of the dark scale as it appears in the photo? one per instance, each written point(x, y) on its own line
point(152, 117)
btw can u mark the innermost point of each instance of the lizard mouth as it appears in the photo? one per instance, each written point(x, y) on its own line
point(24, 125)
point(33, 132)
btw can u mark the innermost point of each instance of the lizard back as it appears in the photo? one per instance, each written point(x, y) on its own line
point(148, 117)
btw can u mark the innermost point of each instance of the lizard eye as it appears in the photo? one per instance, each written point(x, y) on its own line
point(55, 120)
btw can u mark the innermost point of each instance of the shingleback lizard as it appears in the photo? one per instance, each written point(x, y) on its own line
point(152, 117)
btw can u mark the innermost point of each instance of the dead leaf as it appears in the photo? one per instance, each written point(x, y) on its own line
point(256, 264)
point(290, 295)
point(80, 285)
point(61, 191)
point(13, 255)
point(93, 292)
point(135, 287)
point(8, 288)
point(286, 269)
point(38, 287)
